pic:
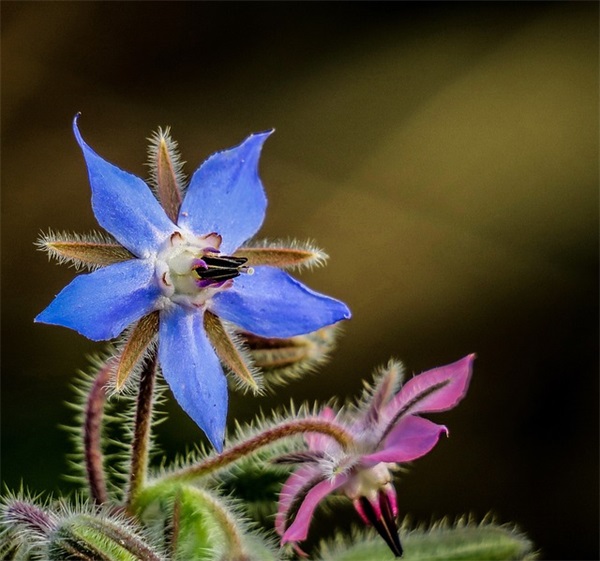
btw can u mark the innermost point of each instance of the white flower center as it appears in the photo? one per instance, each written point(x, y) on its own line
point(190, 270)
point(366, 482)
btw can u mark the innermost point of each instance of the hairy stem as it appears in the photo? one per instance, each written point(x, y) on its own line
point(225, 519)
point(141, 431)
point(92, 432)
point(269, 436)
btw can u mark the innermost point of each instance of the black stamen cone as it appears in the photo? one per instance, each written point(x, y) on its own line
point(220, 268)
point(386, 525)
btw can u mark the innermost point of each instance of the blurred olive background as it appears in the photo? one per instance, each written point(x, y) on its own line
point(445, 156)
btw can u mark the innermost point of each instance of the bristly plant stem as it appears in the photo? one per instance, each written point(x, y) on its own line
point(92, 434)
point(141, 431)
point(269, 436)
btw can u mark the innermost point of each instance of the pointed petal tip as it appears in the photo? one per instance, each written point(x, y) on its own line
point(467, 363)
point(216, 440)
point(346, 311)
point(78, 136)
point(49, 318)
point(85, 147)
point(342, 312)
point(263, 134)
point(215, 432)
point(257, 139)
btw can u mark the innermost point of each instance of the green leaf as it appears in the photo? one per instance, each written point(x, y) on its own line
point(465, 541)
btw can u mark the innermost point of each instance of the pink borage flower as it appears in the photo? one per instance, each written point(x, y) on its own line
point(387, 430)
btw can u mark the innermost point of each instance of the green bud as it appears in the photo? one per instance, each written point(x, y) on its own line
point(91, 538)
point(201, 525)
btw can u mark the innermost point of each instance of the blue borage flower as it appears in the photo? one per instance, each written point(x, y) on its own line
point(178, 269)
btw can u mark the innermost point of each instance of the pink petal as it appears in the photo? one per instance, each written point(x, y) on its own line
point(410, 439)
point(299, 529)
point(439, 389)
point(288, 493)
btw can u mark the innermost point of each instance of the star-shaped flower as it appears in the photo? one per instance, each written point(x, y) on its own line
point(387, 431)
point(176, 267)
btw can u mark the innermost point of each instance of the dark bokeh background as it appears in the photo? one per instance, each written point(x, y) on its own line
point(446, 157)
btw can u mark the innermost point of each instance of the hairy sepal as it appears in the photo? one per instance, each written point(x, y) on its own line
point(233, 354)
point(134, 349)
point(387, 381)
point(291, 254)
point(83, 251)
point(166, 171)
point(284, 360)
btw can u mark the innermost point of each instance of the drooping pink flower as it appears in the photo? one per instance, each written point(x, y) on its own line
point(387, 431)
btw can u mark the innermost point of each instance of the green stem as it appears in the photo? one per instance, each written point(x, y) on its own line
point(226, 521)
point(285, 430)
point(141, 432)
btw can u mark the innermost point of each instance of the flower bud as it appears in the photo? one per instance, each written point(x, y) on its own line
point(201, 525)
point(89, 538)
point(24, 527)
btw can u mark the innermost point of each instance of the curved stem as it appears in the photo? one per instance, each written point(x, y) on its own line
point(141, 431)
point(92, 435)
point(269, 436)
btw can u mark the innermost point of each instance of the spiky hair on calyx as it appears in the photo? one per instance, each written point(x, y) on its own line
point(82, 251)
point(284, 360)
point(156, 140)
point(286, 253)
point(235, 355)
point(387, 381)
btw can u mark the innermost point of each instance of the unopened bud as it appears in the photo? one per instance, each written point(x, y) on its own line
point(27, 517)
point(202, 525)
point(89, 538)
point(24, 527)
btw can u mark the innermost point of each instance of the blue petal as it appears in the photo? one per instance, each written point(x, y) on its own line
point(100, 305)
point(270, 303)
point(193, 372)
point(226, 195)
point(124, 205)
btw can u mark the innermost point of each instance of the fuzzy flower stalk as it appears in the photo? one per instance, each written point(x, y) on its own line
point(387, 430)
point(178, 274)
